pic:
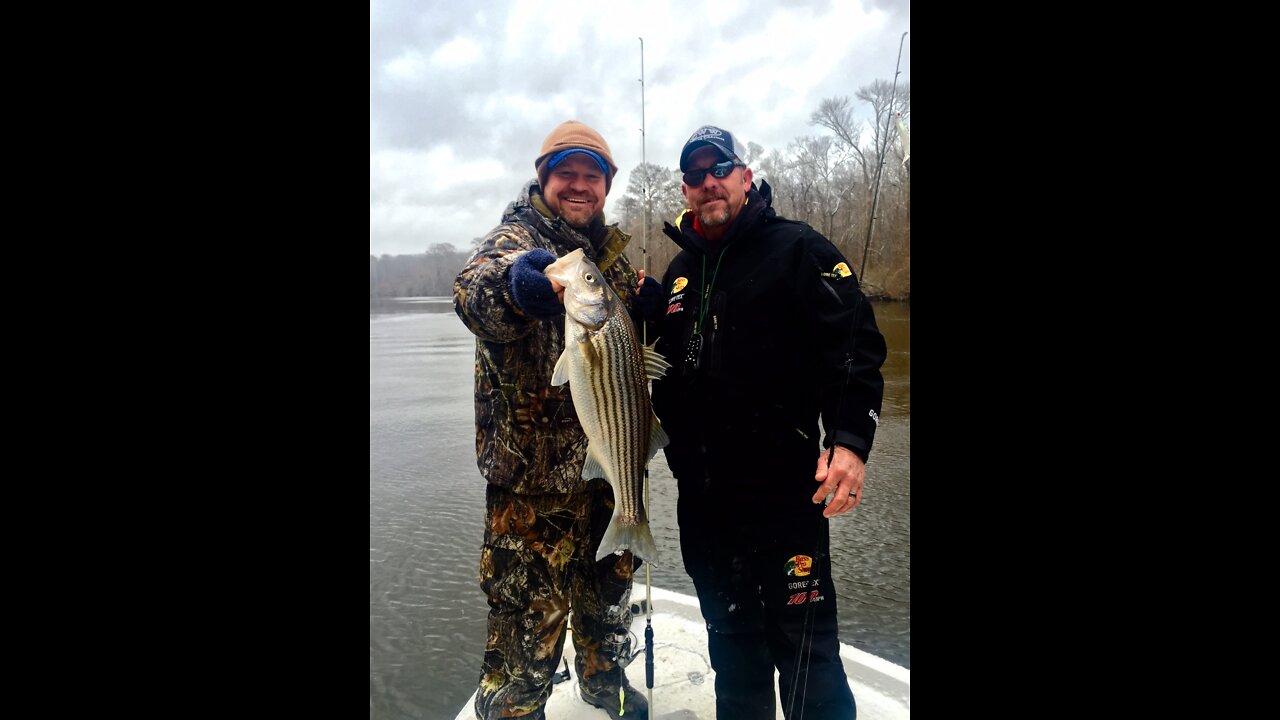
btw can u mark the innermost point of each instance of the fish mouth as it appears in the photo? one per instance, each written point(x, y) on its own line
point(591, 322)
point(592, 314)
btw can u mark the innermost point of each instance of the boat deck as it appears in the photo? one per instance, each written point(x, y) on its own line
point(684, 683)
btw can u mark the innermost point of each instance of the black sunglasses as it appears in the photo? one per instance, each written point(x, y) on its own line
point(694, 178)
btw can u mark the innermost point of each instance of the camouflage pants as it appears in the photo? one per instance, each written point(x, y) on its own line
point(538, 562)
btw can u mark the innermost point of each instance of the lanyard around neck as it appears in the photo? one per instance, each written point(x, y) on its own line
point(705, 302)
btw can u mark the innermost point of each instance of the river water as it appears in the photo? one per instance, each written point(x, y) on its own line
point(426, 515)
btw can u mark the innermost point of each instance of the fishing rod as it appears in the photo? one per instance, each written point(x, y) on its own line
point(644, 335)
point(823, 549)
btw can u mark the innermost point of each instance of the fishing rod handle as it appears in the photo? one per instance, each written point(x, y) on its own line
point(648, 656)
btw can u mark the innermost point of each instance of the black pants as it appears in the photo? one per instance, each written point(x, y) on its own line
point(762, 571)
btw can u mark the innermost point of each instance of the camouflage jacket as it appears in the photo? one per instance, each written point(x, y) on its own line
point(528, 438)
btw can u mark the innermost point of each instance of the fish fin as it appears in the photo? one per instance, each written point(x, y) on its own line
point(591, 467)
point(560, 375)
point(638, 539)
point(657, 436)
point(655, 366)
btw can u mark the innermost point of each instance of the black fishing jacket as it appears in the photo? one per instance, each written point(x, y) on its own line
point(787, 336)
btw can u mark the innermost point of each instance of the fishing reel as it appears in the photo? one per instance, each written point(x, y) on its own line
point(619, 648)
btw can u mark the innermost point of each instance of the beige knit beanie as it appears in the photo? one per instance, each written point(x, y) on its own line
point(573, 134)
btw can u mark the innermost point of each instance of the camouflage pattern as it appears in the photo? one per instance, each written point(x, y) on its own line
point(543, 521)
point(527, 434)
point(535, 565)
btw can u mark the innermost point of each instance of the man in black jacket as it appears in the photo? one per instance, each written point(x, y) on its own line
point(767, 330)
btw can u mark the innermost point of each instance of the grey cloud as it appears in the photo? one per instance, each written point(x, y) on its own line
point(501, 106)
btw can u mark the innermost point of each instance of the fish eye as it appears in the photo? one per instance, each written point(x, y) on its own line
point(589, 277)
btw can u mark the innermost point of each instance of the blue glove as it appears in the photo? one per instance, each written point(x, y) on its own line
point(649, 304)
point(531, 289)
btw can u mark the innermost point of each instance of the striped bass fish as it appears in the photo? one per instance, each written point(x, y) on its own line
point(608, 372)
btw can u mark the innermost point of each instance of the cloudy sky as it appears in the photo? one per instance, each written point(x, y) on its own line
point(461, 94)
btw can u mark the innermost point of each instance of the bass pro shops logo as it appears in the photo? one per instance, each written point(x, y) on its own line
point(799, 565)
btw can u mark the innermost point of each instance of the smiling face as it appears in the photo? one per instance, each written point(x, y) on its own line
point(716, 202)
point(575, 190)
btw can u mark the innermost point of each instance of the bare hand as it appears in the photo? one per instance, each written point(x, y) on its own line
point(844, 477)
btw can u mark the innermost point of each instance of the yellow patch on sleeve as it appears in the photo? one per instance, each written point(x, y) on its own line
point(678, 285)
point(842, 270)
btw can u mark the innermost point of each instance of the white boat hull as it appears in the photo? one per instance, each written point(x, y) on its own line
point(684, 683)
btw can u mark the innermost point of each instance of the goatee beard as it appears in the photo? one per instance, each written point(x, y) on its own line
point(711, 219)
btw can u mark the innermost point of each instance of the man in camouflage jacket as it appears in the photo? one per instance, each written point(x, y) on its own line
point(543, 521)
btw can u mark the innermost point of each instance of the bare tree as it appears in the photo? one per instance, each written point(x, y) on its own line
point(653, 195)
point(817, 159)
point(880, 94)
point(836, 115)
point(862, 164)
point(631, 208)
point(886, 99)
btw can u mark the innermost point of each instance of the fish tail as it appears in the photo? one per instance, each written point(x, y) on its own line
point(636, 538)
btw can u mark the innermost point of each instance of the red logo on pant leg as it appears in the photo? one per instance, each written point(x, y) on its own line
point(798, 565)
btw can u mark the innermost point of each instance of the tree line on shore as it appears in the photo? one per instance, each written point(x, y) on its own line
point(829, 181)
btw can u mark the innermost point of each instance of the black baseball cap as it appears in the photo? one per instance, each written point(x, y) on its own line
point(721, 140)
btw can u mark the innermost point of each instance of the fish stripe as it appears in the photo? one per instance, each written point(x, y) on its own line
point(621, 407)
